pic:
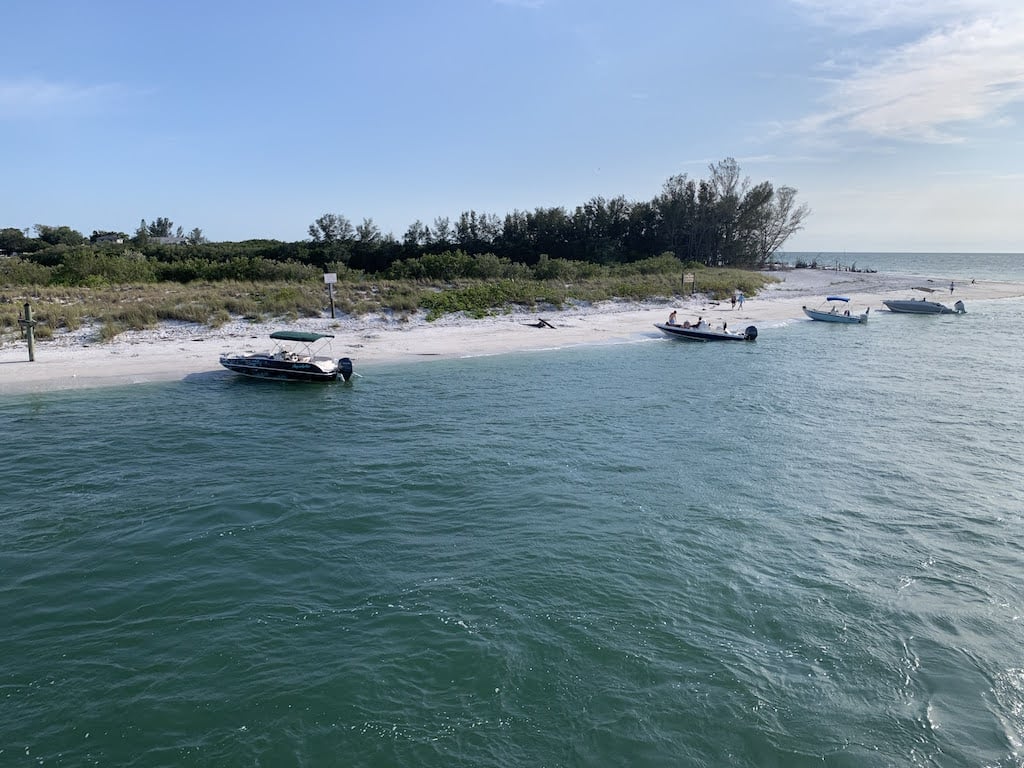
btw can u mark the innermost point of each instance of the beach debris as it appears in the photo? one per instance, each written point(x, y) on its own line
point(541, 323)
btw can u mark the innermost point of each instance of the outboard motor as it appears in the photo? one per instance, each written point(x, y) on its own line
point(959, 307)
point(345, 366)
point(750, 333)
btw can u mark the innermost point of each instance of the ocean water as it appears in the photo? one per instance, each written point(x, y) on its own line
point(802, 551)
point(959, 267)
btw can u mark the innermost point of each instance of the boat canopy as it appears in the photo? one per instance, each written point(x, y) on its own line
point(836, 298)
point(300, 336)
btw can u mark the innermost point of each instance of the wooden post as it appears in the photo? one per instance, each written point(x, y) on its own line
point(28, 326)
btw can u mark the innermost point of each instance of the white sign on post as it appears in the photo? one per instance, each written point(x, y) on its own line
point(330, 277)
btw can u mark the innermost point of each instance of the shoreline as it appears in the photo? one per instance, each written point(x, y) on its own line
point(175, 351)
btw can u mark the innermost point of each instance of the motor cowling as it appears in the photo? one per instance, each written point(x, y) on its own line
point(750, 333)
point(345, 367)
point(960, 308)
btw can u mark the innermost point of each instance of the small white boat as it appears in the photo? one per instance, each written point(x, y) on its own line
point(923, 307)
point(704, 332)
point(294, 358)
point(833, 313)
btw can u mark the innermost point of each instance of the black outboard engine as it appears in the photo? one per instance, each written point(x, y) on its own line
point(750, 333)
point(959, 307)
point(345, 366)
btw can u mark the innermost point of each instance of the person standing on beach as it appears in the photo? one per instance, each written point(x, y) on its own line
point(740, 299)
point(950, 287)
point(732, 300)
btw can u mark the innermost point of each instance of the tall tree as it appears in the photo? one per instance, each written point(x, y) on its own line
point(442, 233)
point(729, 190)
point(59, 235)
point(161, 227)
point(753, 211)
point(368, 232)
point(780, 219)
point(415, 238)
point(13, 240)
point(725, 177)
point(676, 209)
point(331, 228)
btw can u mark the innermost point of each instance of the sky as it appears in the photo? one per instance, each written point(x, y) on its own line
point(900, 123)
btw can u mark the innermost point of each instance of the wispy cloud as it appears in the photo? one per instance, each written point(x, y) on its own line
point(20, 98)
point(868, 15)
point(964, 64)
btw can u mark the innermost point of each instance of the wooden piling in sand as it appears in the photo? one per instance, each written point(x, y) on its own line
point(28, 327)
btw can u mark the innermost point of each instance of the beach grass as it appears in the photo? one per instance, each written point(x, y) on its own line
point(117, 308)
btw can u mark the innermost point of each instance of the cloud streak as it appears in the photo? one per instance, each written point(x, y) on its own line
point(25, 98)
point(965, 64)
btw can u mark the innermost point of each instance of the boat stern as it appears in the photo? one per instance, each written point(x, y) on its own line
point(345, 368)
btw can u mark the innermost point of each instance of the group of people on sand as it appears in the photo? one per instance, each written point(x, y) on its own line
point(736, 298)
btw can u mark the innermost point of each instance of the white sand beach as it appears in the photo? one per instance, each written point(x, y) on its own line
point(177, 350)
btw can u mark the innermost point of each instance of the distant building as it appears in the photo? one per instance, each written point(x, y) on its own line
point(110, 237)
point(168, 240)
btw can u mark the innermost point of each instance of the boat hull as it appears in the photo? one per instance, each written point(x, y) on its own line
point(922, 307)
point(267, 367)
point(833, 317)
point(705, 334)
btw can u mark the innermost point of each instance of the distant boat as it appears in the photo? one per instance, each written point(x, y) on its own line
point(923, 307)
point(293, 359)
point(833, 315)
point(703, 332)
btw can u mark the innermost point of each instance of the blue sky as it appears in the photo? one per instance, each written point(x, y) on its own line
point(899, 122)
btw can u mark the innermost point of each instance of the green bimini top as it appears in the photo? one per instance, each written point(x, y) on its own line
point(300, 336)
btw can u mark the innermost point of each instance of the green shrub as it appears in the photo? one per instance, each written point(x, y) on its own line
point(565, 270)
point(665, 264)
point(478, 299)
point(86, 266)
point(17, 271)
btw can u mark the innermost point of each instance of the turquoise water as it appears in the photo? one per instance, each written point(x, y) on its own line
point(801, 551)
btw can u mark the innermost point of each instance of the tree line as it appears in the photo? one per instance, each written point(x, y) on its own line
point(724, 220)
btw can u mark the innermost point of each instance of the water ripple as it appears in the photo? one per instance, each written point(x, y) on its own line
point(788, 553)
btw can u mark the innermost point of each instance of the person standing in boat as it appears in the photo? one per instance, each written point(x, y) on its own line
point(672, 318)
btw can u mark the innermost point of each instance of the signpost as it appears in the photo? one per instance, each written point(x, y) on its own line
point(688, 278)
point(331, 278)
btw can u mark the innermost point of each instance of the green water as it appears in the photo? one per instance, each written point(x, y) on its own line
point(801, 551)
